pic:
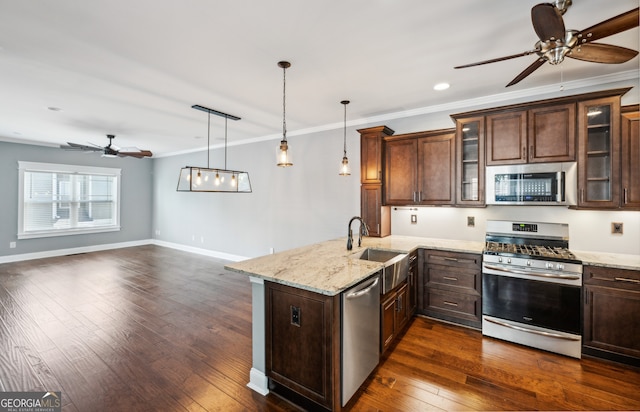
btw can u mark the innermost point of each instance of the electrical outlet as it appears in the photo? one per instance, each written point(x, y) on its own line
point(295, 315)
point(414, 219)
point(616, 228)
point(471, 221)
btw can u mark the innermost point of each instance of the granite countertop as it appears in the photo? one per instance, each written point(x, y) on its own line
point(611, 260)
point(329, 268)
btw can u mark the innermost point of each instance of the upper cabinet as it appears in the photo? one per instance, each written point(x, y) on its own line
point(631, 157)
point(599, 153)
point(420, 168)
point(470, 161)
point(537, 135)
point(371, 153)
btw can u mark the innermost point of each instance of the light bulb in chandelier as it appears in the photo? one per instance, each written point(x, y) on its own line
point(199, 178)
point(233, 180)
point(345, 169)
point(217, 181)
point(283, 156)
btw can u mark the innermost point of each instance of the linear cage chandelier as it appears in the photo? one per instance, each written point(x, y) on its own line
point(207, 179)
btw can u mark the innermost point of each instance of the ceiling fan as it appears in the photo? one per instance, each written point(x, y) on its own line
point(556, 43)
point(109, 150)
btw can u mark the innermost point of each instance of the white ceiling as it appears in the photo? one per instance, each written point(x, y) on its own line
point(134, 68)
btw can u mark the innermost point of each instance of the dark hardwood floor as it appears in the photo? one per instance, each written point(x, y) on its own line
point(155, 329)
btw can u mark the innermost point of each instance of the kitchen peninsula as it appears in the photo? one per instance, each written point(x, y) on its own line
point(318, 274)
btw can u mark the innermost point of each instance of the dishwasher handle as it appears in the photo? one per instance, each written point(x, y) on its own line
point(367, 289)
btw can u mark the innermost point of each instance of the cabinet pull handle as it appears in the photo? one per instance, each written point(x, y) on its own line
point(450, 259)
point(450, 278)
point(625, 196)
point(524, 152)
point(531, 152)
point(399, 304)
point(378, 228)
point(450, 303)
point(628, 280)
point(582, 195)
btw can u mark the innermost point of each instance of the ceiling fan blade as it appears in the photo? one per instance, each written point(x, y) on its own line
point(139, 154)
point(76, 146)
point(498, 59)
point(602, 53)
point(547, 22)
point(533, 67)
point(614, 25)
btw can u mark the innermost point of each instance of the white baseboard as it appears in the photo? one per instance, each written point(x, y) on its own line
point(97, 248)
point(199, 251)
point(72, 251)
point(258, 382)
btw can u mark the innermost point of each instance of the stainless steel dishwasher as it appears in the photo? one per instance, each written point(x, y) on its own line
point(360, 334)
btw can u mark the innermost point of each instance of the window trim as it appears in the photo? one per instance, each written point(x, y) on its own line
point(71, 169)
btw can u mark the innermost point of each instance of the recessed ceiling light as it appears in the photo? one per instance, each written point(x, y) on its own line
point(441, 86)
point(54, 109)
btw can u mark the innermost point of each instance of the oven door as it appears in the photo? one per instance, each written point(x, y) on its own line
point(538, 303)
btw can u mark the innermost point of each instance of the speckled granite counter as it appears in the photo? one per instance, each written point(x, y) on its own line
point(329, 268)
point(612, 260)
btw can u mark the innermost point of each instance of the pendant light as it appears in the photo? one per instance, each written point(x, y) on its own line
point(283, 155)
point(345, 169)
point(206, 179)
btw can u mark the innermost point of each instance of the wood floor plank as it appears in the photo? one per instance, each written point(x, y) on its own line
point(149, 328)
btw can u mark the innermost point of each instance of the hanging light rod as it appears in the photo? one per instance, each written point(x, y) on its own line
point(216, 112)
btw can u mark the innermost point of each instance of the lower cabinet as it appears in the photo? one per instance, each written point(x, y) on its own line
point(412, 284)
point(394, 315)
point(452, 287)
point(612, 314)
point(303, 344)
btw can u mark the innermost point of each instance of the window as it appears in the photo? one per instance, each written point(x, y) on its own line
point(58, 200)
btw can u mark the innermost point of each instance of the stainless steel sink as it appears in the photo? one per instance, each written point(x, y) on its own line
point(396, 266)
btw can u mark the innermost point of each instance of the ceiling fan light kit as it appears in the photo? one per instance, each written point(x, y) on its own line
point(206, 179)
point(556, 43)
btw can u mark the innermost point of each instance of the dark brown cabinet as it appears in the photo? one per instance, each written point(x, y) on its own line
point(470, 161)
point(394, 315)
point(420, 168)
point(452, 287)
point(303, 343)
point(612, 314)
point(373, 212)
point(537, 135)
point(599, 153)
point(631, 157)
point(412, 283)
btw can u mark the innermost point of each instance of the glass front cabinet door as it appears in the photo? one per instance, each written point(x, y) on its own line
point(599, 152)
point(470, 161)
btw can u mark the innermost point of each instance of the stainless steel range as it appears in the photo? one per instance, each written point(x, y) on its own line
point(532, 286)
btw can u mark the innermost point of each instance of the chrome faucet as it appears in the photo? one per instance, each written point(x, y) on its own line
point(364, 231)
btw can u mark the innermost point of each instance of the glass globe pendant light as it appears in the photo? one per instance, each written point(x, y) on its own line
point(283, 154)
point(345, 169)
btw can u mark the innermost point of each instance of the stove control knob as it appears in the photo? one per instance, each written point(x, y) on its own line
point(508, 260)
point(528, 263)
point(549, 265)
point(500, 259)
point(560, 266)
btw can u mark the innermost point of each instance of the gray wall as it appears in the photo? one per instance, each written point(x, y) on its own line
point(136, 197)
point(289, 207)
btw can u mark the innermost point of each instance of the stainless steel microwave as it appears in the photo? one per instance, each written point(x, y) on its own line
point(532, 184)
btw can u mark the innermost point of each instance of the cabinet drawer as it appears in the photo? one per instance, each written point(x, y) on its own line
point(611, 277)
point(462, 260)
point(456, 304)
point(456, 279)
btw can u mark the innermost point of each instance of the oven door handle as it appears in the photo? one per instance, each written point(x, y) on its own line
point(540, 274)
point(537, 332)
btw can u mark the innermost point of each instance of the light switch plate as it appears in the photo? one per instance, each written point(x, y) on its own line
point(471, 221)
point(414, 218)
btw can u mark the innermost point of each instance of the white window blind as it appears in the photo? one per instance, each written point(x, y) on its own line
point(60, 199)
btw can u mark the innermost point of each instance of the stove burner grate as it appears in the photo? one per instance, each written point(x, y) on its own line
point(540, 251)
